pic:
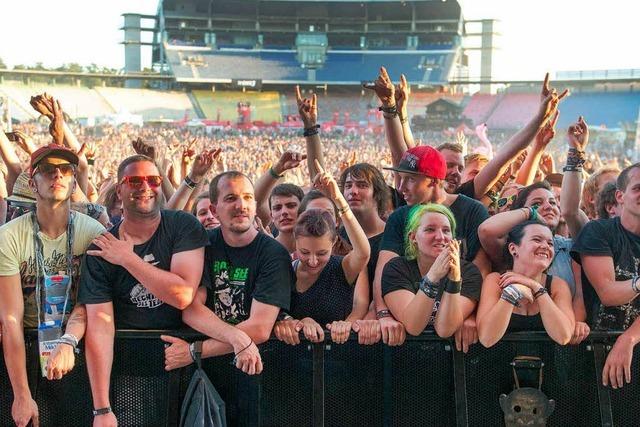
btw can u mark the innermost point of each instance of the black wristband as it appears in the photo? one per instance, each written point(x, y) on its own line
point(313, 130)
point(453, 287)
point(190, 183)
point(389, 110)
point(102, 411)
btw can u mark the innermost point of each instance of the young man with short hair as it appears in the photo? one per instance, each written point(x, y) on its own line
point(40, 261)
point(609, 252)
point(284, 202)
point(248, 279)
point(138, 276)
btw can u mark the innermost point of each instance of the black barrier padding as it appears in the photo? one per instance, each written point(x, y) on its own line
point(625, 402)
point(287, 385)
point(567, 378)
point(422, 384)
point(139, 382)
point(353, 385)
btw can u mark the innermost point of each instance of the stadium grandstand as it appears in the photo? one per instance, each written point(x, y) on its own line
point(235, 63)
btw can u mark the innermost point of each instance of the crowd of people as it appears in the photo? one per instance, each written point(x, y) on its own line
point(246, 236)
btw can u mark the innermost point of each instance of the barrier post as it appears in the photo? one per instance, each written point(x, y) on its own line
point(318, 384)
point(460, 385)
point(604, 398)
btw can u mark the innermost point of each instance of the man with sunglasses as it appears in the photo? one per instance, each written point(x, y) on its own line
point(140, 275)
point(39, 275)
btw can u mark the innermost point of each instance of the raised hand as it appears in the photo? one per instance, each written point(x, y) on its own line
point(203, 163)
point(141, 147)
point(385, 89)
point(344, 164)
point(24, 142)
point(42, 105)
point(308, 109)
point(547, 165)
point(56, 128)
point(288, 160)
point(547, 132)
point(578, 134)
point(402, 93)
point(324, 182)
point(440, 267)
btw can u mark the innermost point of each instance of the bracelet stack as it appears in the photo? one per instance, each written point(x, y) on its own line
point(389, 112)
point(190, 183)
point(69, 339)
point(310, 131)
point(382, 314)
point(537, 294)
point(511, 295)
point(273, 173)
point(575, 160)
point(429, 288)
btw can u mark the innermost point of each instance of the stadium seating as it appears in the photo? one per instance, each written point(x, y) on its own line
point(223, 105)
point(283, 66)
point(77, 101)
point(479, 108)
point(151, 104)
point(514, 111)
point(600, 108)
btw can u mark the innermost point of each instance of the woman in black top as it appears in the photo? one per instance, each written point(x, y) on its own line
point(330, 290)
point(431, 285)
point(525, 297)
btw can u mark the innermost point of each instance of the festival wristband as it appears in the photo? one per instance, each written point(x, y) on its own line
point(453, 286)
point(102, 411)
point(511, 295)
point(537, 294)
point(429, 288)
point(634, 283)
point(382, 314)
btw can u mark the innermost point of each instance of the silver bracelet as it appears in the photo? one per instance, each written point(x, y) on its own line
point(511, 295)
point(70, 339)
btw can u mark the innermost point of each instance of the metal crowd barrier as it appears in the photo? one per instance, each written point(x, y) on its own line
point(425, 382)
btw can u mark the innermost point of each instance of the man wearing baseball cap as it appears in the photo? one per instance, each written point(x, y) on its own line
point(422, 171)
point(39, 273)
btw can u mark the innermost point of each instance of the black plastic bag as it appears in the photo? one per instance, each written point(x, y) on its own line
point(202, 405)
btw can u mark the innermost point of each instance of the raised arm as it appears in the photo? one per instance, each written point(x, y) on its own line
point(356, 260)
point(176, 287)
point(527, 171)
point(266, 183)
point(385, 90)
point(493, 231)
point(10, 159)
point(199, 168)
point(549, 100)
point(24, 408)
point(571, 191)
point(308, 109)
point(402, 93)
point(141, 147)
point(3, 197)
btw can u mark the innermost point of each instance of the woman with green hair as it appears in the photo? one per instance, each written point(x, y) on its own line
point(431, 284)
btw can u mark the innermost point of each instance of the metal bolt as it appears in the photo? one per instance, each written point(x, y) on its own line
point(447, 348)
point(327, 347)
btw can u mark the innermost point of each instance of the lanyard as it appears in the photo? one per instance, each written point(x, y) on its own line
point(39, 258)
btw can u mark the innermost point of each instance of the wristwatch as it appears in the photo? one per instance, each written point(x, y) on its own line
point(101, 411)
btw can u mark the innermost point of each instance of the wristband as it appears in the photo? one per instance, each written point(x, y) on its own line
point(273, 173)
point(235, 358)
point(342, 211)
point(383, 313)
point(389, 110)
point(195, 348)
point(190, 183)
point(453, 286)
point(310, 131)
point(102, 411)
point(533, 214)
point(511, 295)
point(634, 283)
point(429, 288)
point(69, 339)
point(537, 294)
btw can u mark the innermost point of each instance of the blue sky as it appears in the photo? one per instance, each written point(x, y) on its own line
point(536, 36)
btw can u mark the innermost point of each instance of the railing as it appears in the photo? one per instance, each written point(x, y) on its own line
point(424, 382)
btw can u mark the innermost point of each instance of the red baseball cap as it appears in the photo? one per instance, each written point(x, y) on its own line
point(423, 160)
point(54, 150)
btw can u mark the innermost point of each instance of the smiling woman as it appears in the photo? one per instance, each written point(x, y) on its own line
point(526, 298)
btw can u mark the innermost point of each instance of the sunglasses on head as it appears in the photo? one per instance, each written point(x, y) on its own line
point(152, 181)
point(66, 169)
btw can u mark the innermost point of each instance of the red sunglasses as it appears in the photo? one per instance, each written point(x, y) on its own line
point(153, 181)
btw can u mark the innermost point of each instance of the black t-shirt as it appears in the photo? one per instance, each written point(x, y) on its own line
point(468, 213)
point(134, 306)
point(330, 298)
point(402, 273)
point(234, 277)
point(468, 189)
point(374, 244)
point(607, 237)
